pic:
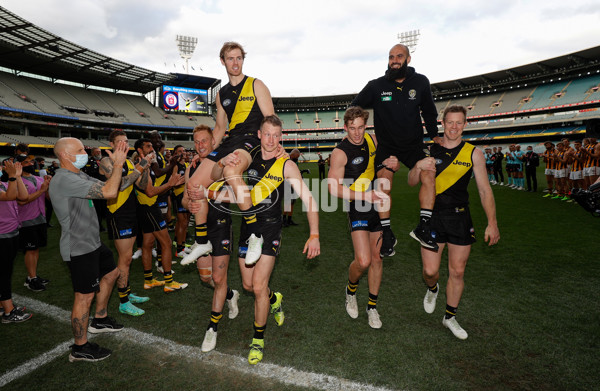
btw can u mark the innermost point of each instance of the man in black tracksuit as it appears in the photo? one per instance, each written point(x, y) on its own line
point(399, 100)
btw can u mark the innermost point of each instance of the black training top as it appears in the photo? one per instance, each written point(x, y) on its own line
point(398, 108)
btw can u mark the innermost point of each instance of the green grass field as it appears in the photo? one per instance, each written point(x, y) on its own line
point(530, 307)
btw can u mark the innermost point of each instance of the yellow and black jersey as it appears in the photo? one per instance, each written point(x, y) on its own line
point(142, 198)
point(241, 106)
point(181, 167)
point(125, 200)
point(548, 158)
point(453, 173)
point(266, 177)
point(359, 171)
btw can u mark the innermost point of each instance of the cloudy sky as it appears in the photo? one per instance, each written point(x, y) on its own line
point(311, 48)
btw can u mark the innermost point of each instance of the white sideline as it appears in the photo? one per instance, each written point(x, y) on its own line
point(240, 364)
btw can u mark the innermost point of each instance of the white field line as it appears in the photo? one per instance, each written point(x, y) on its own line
point(240, 364)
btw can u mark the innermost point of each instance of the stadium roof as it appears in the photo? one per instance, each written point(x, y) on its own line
point(28, 48)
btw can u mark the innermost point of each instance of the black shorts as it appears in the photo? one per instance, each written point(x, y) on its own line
point(88, 269)
point(409, 157)
point(162, 202)
point(123, 224)
point(151, 218)
point(453, 226)
point(271, 233)
point(248, 142)
point(363, 220)
point(177, 201)
point(220, 235)
point(33, 237)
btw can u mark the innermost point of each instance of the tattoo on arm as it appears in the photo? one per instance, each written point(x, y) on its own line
point(143, 180)
point(106, 165)
point(129, 180)
point(95, 191)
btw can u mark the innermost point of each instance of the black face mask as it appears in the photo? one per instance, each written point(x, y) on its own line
point(397, 73)
point(29, 169)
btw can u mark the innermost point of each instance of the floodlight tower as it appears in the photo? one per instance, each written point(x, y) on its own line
point(186, 46)
point(410, 39)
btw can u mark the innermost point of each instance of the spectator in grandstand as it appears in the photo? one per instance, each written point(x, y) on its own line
point(498, 173)
point(183, 215)
point(152, 222)
point(241, 105)
point(531, 160)
point(591, 167)
point(92, 168)
point(576, 159)
point(32, 221)
point(351, 177)
point(321, 164)
point(400, 134)
point(548, 157)
point(288, 205)
point(268, 167)
point(454, 161)
point(11, 190)
point(213, 268)
point(121, 217)
point(489, 164)
point(92, 266)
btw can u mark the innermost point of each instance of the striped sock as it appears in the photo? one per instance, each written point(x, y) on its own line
point(215, 317)
point(450, 311)
point(372, 301)
point(259, 331)
point(352, 287)
point(168, 277)
point(201, 233)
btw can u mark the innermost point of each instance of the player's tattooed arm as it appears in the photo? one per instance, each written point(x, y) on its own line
point(129, 180)
point(106, 167)
point(143, 180)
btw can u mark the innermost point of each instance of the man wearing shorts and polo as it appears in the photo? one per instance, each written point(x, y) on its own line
point(92, 266)
point(454, 161)
point(351, 174)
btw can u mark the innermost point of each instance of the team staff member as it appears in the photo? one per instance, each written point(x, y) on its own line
point(92, 168)
point(351, 174)
point(241, 105)
point(152, 221)
point(399, 99)
point(93, 271)
point(531, 160)
point(32, 221)
point(454, 161)
point(10, 191)
point(213, 268)
point(122, 221)
point(266, 175)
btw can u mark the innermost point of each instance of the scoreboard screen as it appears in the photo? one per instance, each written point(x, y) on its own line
point(182, 99)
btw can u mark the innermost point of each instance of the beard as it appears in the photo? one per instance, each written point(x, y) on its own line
point(397, 73)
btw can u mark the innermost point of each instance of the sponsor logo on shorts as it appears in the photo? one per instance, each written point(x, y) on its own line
point(225, 242)
point(248, 145)
point(163, 204)
point(275, 243)
point(162, 224)
point(226, 102)
point(125, 232)
point(242, 250)
point(360, 223)
point(358, 160)
point(213, 153)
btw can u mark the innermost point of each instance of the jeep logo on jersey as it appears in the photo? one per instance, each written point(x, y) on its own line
point(274, 177)
point(226, 102)
point(358, 160)
point(246, 98)
point(384, 93)
point(459, 163)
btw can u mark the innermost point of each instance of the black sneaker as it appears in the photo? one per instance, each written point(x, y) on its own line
point(35, 284)
point(104, 325)
point(292, 222)
point(43, 280)
point(422, 234)
point(388, 243)
point(88, 352)
point(17, 315)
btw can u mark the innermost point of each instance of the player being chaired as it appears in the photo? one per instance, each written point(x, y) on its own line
point(242, 104)
point(351, 176)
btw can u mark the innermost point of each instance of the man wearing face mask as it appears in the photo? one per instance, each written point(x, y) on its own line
point(92, 168)
point(32, 221)
point(531, 160)
point(399, 100)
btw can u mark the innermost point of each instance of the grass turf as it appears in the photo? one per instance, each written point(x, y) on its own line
point(530, 307)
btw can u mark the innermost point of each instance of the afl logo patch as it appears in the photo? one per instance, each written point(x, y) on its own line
point(275, 242)
point(252, 173)
point(412, 94)
point(226, 102)
point(358, 160)
point(438, 161)
point(225, 242)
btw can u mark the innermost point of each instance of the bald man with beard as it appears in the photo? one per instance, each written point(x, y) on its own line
point(91, 263)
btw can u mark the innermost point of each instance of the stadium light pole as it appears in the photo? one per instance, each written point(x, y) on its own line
point(186, 46)
point(410, 39)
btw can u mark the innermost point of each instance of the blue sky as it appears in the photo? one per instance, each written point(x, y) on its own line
point(311, 48)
